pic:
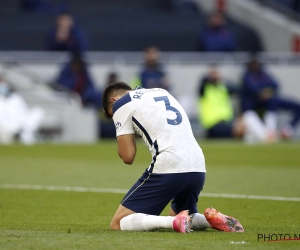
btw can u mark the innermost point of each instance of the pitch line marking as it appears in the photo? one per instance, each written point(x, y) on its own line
point(124, 191)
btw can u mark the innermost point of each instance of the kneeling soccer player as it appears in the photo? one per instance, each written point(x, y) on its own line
point(177, 170)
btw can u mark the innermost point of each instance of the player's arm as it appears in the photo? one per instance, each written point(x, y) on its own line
point(127, 148)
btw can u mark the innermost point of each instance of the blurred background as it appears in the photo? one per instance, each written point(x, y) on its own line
point(234, 65)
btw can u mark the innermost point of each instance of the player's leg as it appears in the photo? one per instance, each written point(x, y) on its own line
point(119, 214)
point(147, 222)
point(198, 221)
point(126, 219)
point(143, 203)
point(188, 198)
point(171, 212)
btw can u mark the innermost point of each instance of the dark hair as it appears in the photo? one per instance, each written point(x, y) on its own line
point(109, 91)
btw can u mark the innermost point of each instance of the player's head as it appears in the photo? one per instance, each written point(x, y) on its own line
point(112, 93)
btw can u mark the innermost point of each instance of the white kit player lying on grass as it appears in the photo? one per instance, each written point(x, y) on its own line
point(177, 170)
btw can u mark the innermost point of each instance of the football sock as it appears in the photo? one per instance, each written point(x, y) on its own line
point(270, 119)
point(199, 222)
point(145, 222)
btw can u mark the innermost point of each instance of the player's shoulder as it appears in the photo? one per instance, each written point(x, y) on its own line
point(137, 94)
point(126, 99)
point(142, 93)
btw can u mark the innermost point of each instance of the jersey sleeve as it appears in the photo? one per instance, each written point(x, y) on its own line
point(123, 120)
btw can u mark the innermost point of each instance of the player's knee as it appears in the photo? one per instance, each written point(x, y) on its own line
point(115, 225)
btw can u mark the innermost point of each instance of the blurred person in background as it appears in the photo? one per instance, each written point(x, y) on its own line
point(260, 95)
point(16, 118)
point(152, 74)
point(75, 77)
point(215, 107)
point(66, 35)
point(216, 37)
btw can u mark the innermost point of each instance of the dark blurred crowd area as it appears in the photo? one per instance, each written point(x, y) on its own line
point(285, 5)
point(116, 25)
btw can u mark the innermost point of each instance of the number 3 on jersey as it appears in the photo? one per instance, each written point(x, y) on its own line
point(178, 119)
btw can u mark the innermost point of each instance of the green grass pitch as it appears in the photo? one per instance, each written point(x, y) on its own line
point(41, 219)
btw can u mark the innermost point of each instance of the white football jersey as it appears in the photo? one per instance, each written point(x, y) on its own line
point(157, 117)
